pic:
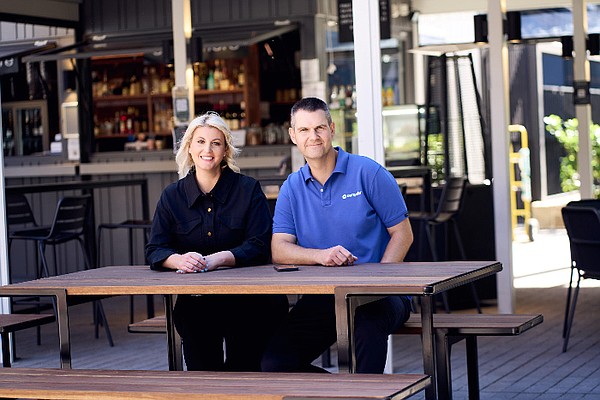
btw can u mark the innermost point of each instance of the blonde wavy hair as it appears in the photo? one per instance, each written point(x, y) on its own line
point(184, 160)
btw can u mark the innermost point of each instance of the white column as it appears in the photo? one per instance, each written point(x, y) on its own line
point(367, 61)
point(419, 68)
point(499, 107)
point(583, 112)
point(182, 32)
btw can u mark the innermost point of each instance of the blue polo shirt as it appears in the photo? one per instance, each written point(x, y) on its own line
point(354, 208)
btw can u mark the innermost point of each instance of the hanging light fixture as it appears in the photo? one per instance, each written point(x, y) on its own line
point(567, 46)
point(481, 28)
point(513, 26)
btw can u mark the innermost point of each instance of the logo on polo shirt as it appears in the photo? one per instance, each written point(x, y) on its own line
point(349, 195)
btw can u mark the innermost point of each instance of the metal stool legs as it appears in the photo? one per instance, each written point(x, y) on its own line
point(570, 311)
point(430, 233)
point(130, 225)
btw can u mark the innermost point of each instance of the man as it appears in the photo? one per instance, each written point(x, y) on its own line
point(337, 210)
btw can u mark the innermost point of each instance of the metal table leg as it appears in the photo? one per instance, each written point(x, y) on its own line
point(173, 338)
point(428, 344)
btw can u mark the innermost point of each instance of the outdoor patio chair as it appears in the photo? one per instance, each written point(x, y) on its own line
point(70, 218)
point(582, 221)
point(19, 218)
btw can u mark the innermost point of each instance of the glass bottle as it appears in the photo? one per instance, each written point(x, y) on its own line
point(210, 81)
point(104, 90)
point(333, 101)
point(241, 78)
point(196, 77)
point(145, 81)
point(341, 96)
point(203, 71)
point(154, 81)
point(348, 103)
point(389, 96)
point(217, 75)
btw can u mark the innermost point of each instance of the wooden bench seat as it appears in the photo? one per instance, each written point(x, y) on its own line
point(449, 329)
point(10, 323)
point(186, 385)
point(452, 328)
point(156, 324)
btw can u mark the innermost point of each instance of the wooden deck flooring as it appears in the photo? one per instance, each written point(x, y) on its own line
point(530, 366)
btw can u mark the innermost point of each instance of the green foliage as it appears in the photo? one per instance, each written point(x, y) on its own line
point(566, 133)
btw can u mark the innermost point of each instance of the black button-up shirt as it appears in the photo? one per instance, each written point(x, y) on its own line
point(234, 216)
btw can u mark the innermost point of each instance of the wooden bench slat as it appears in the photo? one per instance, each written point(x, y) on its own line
point(451, 328)
point(16, 322)
point(473, 324)
point(476, 324)
point(156, 324)
point(105, 384)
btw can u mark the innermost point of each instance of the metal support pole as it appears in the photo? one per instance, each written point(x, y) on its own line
point(583, 111)
point(500, 161)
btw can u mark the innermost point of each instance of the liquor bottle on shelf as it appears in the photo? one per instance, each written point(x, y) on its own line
point(122, 123)
point(117, 122)
point(241, 77)
point(224, 83)
point(243, 121)
point(154, 81)
point(341, 97)
point(333, 101)
point(203, 72)
point(217, 74)
point(196, 69)
point(145, 81)
point(210, 81)
point(135, 88)
point(348, 102)
point(104, 88)
point(129, 123)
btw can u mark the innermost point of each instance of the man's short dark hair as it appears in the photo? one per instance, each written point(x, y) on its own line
point(310, 104)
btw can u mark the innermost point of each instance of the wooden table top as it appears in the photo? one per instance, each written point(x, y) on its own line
point(106, 384)
point(415, 278)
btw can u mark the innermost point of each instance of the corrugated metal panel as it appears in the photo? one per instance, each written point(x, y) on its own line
point(63, 10)
point(126, 15)
point(114, 16)
point(12, 31)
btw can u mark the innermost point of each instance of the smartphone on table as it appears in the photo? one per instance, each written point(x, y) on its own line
point(285, 268)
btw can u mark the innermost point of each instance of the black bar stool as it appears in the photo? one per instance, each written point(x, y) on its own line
point(448, 208)
point(130, 225)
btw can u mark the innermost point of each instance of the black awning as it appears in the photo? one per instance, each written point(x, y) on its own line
point(87, 49)
point(11, 55)
point(242, 35)
point(151, 44)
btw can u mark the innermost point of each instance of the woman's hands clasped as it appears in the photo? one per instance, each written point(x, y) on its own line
point(189, 262)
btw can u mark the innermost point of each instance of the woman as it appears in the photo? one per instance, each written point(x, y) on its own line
point(215, 217)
